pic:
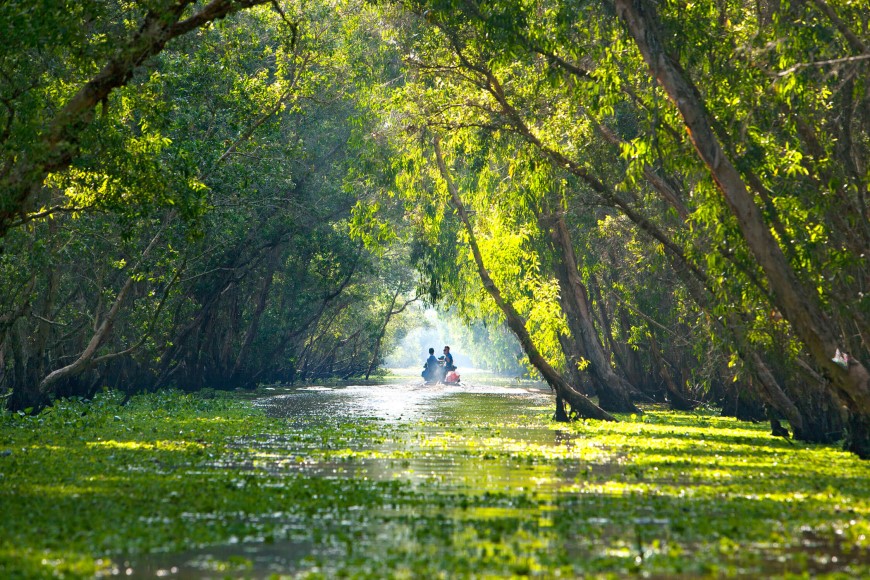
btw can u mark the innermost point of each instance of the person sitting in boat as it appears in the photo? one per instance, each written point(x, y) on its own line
point(447, 358)
point(450, 376)
point(432, 371)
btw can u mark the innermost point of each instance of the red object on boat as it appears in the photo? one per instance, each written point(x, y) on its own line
point(452, 377)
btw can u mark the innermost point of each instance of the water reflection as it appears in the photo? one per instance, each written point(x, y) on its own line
point(392, 402)
point(428, 447)
point(436, 451)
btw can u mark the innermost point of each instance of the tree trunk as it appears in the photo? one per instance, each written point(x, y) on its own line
point(741, 401)
point(678, 259)
point(604, 321)
point(799, 305)
point(775, 396)
point(614, 392)
point(579, 402)
point(104, 328)
point(560, 415)
point(573, 356)
point(634, 367)
point(84, 359)
point(256, 315)
point(383, 331)
point(676, 397)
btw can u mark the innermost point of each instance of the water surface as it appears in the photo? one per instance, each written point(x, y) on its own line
point(471, 480)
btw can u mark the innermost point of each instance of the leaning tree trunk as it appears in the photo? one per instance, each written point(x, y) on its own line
point(561, 415)
point(256, 316)
point(614, 392)
point(84, 359)
point(605, 320)
point(798, 304)
point(580, 404)
point(573, 356)
point(104, 329)
point(808, 412)
point(775, 397)
point(383, 330)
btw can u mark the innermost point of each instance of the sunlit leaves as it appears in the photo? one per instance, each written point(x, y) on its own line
point(366, 226)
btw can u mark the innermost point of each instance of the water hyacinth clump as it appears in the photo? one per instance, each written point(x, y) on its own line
point(396, 481)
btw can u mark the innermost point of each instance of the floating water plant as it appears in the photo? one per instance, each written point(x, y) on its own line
point(475, 484)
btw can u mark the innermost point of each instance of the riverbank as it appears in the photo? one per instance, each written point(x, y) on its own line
point(396, 480)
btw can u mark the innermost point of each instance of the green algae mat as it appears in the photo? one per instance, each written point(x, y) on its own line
point(397, 481)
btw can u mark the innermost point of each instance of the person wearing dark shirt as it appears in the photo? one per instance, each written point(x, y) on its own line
point(432, 369)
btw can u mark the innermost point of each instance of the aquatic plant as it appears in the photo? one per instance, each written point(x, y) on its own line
point(482, 484)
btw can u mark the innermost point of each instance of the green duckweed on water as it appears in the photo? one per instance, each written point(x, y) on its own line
point(462, 483)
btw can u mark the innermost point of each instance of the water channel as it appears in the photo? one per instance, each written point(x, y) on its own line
point(414, 416)
point(477, 481)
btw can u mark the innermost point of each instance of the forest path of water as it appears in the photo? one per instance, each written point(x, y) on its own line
point(476, 480)
point(415, 442)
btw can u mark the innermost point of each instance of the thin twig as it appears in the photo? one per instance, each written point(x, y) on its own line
point(801, 65)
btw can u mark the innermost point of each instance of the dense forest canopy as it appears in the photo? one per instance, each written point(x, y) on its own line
point(662, 202)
